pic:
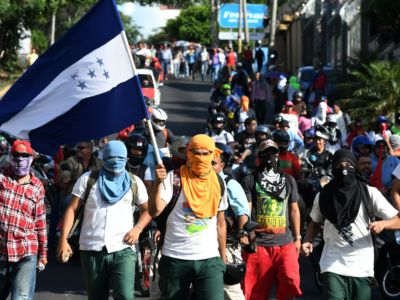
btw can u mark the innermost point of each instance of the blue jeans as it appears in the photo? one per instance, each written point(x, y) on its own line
point(19, 278)
point(215, 72)
point(204, 67)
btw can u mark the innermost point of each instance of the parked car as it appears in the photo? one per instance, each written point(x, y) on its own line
point(306, 76)
point(150, 87)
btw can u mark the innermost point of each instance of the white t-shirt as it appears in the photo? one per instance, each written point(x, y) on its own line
point(188, 237)
point(396, 172)
point(224, 137)
point(106, 224)
point(339, 256)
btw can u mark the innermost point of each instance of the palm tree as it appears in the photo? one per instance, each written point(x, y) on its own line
point(376, 91)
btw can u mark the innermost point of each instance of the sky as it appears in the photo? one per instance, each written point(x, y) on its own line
point(142, 14)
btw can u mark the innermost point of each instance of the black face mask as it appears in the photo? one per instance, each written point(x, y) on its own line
point(269, 160)
point(344, 175)
point(218, 130)
point(136, 160)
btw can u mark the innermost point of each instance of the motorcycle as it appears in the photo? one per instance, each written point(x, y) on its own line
point(143, 270)
point(387, 268)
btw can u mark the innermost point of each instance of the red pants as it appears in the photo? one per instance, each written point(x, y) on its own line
point(278, 263)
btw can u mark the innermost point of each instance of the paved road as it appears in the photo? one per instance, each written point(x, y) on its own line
point(186, 104)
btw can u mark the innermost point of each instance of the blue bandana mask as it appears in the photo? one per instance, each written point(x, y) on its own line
point(115, 165)
point(114, 182)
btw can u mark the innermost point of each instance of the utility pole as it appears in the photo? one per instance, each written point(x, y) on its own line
point(240, 26)
point(246, 27)
point(214, 22)
point(273, 23)
point(53, 27)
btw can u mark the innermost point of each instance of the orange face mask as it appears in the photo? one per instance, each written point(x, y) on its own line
point(199, 181)
point(245, 102)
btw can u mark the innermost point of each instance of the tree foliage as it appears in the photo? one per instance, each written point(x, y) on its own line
point(376, 90)
point(17, 16)
point(192, 24)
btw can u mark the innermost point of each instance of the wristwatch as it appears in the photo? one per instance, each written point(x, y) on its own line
point(298, 237)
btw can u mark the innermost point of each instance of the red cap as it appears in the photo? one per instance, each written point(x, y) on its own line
point(289, 103)
point(16, 145)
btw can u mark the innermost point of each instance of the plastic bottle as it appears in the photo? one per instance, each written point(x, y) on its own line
point(41, 267)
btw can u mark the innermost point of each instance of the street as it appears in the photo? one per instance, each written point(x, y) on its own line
point(186, 104)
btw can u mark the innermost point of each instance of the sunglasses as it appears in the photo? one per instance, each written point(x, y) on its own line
point(21, 154)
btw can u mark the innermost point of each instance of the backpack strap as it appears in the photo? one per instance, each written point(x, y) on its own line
point(368, 204)
point(134, 188)
point(94, 175)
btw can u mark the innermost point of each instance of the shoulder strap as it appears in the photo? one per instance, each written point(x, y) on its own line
point(368, 203)
point(221, 185)
point(94, 175)
point(134, 188)
point(226, 138)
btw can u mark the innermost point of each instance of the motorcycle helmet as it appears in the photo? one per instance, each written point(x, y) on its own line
point(322, 132)
point(178, 147)
point(331, 119)
point(277, 119)
point(298, 94)
point(226, 89)
point(282, 138)
point(139, 142)
point(262, 133)
point(227, 153)
point(4, 145)
point(360, 142)
point(158, 118)
point(218, 122)
point(234, 273)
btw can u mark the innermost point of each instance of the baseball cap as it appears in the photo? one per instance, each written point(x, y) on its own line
point(288, 103)
point(16, 146)
point(267, 144)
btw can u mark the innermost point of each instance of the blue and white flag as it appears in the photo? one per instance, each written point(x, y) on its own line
point(83, 87)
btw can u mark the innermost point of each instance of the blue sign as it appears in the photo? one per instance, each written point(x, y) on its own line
point(229, 15)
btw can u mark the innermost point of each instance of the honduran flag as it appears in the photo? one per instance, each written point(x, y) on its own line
point(83, 87)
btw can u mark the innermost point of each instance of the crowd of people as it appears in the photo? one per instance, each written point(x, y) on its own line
point(234, 206)
point(191, 60)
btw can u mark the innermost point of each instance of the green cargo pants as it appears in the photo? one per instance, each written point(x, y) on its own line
point(177, 275)
point(339, 287)
point(102, 270)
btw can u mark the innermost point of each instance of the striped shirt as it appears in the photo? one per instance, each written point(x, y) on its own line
point(22, 219)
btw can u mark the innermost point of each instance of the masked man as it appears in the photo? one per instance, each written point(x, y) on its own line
point(346, 206)
point(274, 197)
point(108, 233)
point(23, 239)
point(194, 248)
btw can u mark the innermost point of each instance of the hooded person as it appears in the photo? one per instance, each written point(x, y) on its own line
point(274, 197)
point(347, 208)
point(195, 234)
point(108, 233)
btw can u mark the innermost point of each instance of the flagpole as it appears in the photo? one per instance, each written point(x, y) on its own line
point(149, 125)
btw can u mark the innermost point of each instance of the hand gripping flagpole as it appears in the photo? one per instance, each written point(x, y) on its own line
point(150, 126)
